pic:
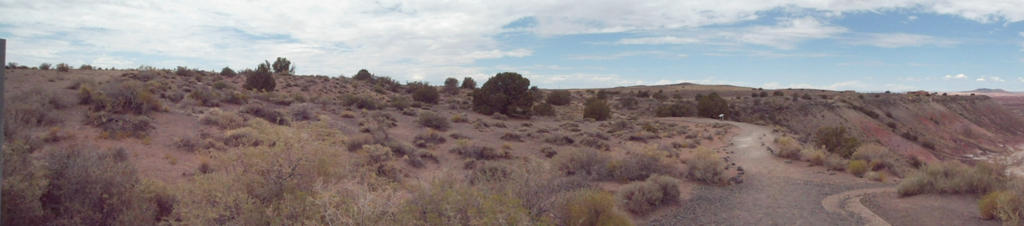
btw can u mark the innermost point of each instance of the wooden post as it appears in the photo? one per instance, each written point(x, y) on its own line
point(3, 62)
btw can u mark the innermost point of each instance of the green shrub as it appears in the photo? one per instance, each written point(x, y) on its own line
point(468, 83)
point(428, 139)
point(506, 93)
point(31, 109)
point(360, 101)
point(226, 71)
point(711, 106)
point(23, 184)
point(44, 66)
point(183, 71)
point(597, 109)
point(636, 167)
point(283, 65)
point(425, 94)
point(62, 67)
point(592, 207)
point(266, 113)
point(363, 75)
point(837, 140)
point(857, 167)
point(628, 102)
point(559, 97)
point(303, 112)
point(261, 79)
point(451, 85)
point(206, 97)
point(543, 109)
point(988, 205)
point(434, 121)
point(585, 163)
point(835, 162)
point(673, 110)
point(1010, 204)
point(707, 167)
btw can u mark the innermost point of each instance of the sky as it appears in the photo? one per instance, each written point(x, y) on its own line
point(863, 45)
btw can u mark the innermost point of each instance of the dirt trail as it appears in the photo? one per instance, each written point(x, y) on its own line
point(773, 192)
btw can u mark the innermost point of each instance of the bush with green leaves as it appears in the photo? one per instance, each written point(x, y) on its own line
point(468, 83)
point(543, 109)
point(451, 85)
point(62, 67)
point(261, 79)
point(711, 106)
point(360, 101)
point(706, 166)
point(426, 94)
point(434, 121)
point(44, 66)
point(837, 140)
point(673, 110)
point(953, 177)
point(283, 65)
point(506, 93)
point(592, 207)
point(124, 97)
point(559, 97)
point(227, 72)
point(597, 109)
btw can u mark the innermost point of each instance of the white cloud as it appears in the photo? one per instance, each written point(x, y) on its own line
point(657, 40)
point(1021, 79)
point(956, 76)
point(981, 79)
point(625, 54)
point(896, 40)
point(788, 32)
point(990, 79)
point(996, 79)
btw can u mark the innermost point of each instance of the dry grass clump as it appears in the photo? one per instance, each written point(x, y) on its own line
point(491, 172)
point(813, 155)
point(241, 138)
point(787, 147)
point(952, 177)
point(452, 203)
point(636, 167)
point(835, 162)
point(879, 158)
point(116, 126)
point(303, 112)
point(480, 152)
point(31, 109)
point(360, 102)
point(206, 97)
point(643, 197)
point(222, 119)
point(585, 163)
point(1006, 205)
point(592, 207)
point(434, 121)
point(121, 98)
point(707, 167)
point(429, 139)
point(857, 167)
point(266, 113)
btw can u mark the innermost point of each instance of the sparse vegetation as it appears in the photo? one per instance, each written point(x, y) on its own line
point(711, 106)
point(227, 72)
point(597, 109)
point(468, 83)
point(283, 65)
point(643, 197)
point(451, 86)
point(673, 110)
point(62, 67)
point(592, 207)
point(952, 177)
point(559, 97)
point(425, 94)
point(857, 167)
point(543, 109)
point(266, 113)
point(787, 147)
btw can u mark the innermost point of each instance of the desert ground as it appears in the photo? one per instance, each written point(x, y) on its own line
point(191, 147)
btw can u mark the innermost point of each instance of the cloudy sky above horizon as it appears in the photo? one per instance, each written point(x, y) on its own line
point(864, 45)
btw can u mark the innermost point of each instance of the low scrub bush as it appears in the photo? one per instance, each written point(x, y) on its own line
point(480, 152)
point(426, 94)
point(787, 147)
point(124, 97)
point(952, 177)
point(206, 97)
point(590, 164)
point(543, 109)
point(468, 83)
point(261, 79)
point(643, 197)
point(30, 110)
point(222, 119)
point(835, 162)
point(303, 112)
point(707, 167)
point(636, 167)
point(592, 207)
point(857, 167)
point(1006, 205)
point(559, 97)
point(266, 113)
point(711, 106)
point(451, 86)
point(490, 172)
point(428, 139)
point(62, 67)
point(227, 72)
point(597, 109)
point(451, 203)
point(674, 110)
point(360, 101)
point(120, 126)
point(813, 155)
point(837, 140)
point(434, 121)
point(506, 93)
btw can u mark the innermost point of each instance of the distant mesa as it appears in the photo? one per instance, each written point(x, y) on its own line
point(987, 90)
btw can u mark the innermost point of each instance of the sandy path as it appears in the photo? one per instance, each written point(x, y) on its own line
point(773, 192)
